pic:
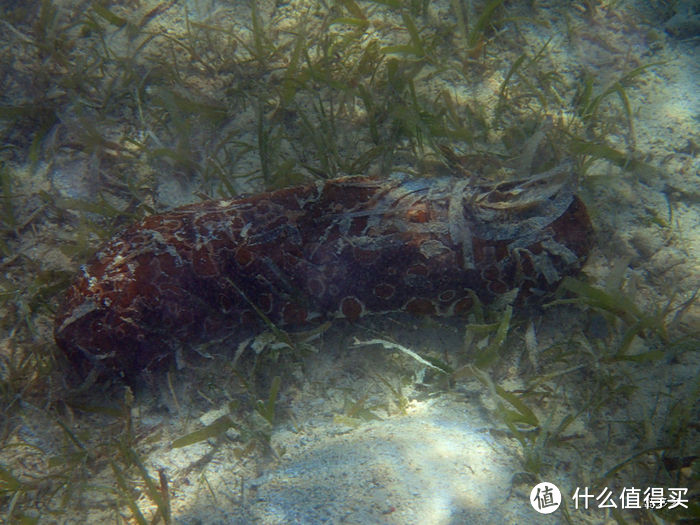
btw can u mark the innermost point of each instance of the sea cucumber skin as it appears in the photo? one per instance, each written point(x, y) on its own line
point(339, 248)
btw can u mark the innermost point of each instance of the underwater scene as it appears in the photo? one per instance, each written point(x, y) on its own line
point(350, 262)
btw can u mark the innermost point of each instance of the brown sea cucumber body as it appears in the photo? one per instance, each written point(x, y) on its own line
point(338, 248)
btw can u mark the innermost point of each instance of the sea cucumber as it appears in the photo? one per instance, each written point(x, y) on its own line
point(337, 248)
